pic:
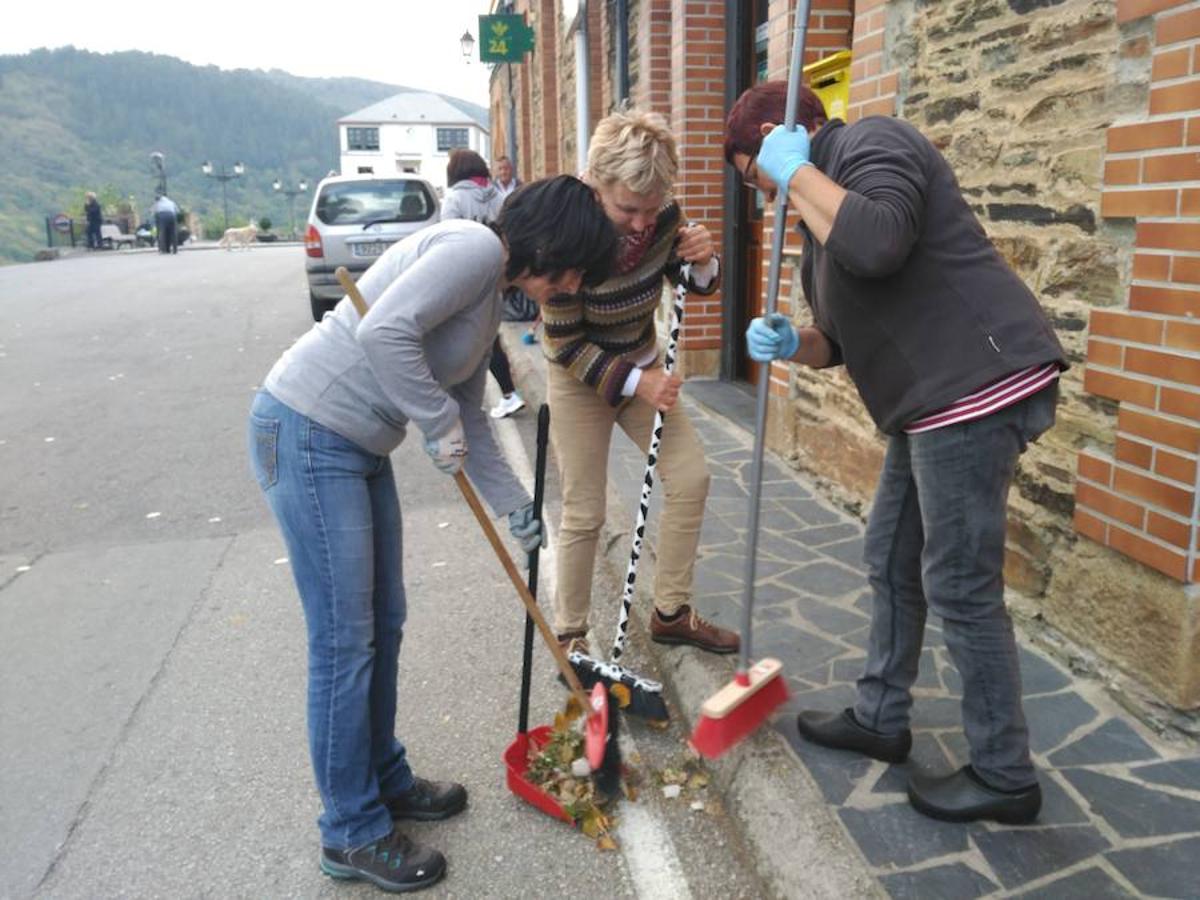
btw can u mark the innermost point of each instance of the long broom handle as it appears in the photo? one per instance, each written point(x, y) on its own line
point(539, 494)
point(489, 530)
point(531, 606)
point(795, 72)
point(639, 529)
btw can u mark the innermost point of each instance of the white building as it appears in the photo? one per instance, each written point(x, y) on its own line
point(412, 131)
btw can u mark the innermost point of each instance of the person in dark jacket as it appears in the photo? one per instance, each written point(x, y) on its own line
point(958, 365)
point(91, 209)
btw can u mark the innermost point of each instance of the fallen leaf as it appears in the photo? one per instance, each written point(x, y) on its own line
point(606, 842)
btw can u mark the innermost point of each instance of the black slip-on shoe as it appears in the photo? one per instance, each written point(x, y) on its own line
point(428, 800)
point(842, 731)
point(395, 864)
point(963, 796)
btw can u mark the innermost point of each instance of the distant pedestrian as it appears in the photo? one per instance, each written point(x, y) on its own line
point(469, 192)
point(166, 218)
point(321, 429)
point(91, 209)
point(505, 181)
point(958, 365)
point(472, 195)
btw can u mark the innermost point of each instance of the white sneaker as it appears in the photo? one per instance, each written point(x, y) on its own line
point(508, 405)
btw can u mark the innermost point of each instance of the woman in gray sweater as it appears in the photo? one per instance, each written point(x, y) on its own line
point(329, 413)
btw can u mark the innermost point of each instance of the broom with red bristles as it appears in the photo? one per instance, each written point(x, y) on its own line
point(741, 706)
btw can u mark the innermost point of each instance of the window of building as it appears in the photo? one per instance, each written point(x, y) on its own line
point(362, 138)
point(452, 138)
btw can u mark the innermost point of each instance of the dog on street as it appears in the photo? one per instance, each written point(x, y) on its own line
point(239, 237)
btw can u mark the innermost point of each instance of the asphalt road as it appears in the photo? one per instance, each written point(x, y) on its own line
point(152, 738)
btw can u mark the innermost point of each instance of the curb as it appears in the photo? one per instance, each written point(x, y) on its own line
point(799, 846)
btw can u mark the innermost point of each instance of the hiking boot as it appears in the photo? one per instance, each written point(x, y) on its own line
point(428, 801)
point(394, 863)
point(507, 406)
point(574, 642)
point(687, 627)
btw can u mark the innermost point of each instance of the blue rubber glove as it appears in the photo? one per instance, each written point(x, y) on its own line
point(772, 337)
point(782, 153)
point(526, 529)
point(529, 338)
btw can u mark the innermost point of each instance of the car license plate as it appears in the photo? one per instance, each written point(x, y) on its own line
point(374, 248)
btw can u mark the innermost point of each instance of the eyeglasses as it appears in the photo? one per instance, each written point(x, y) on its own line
point(750, 174)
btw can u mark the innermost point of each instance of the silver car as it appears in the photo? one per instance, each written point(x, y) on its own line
point(354, 218)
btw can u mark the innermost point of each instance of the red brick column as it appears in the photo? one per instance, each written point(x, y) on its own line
point(654, 41)
point(697, 116)
point(1141, 499)
point(872, 91)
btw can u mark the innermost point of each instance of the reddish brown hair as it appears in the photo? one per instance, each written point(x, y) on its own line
point(465, 164)
point(767, 102)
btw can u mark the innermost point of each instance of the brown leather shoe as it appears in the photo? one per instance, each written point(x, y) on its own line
point(573, 642)
point(689, 628)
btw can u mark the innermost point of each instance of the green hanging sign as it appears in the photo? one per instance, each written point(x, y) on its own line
point(504, 38)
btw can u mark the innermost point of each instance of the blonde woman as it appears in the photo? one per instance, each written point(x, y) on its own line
point(605, 370)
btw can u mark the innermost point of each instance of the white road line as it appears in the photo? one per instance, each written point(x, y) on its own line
point(642, 835)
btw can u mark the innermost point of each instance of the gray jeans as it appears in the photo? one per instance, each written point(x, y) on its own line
point(935, 540)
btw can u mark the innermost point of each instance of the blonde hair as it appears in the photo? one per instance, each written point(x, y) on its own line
point(635, 149)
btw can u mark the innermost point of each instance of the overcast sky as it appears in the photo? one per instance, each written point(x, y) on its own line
point(414, 43)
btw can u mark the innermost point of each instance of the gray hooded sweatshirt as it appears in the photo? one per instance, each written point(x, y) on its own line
point(468, 200)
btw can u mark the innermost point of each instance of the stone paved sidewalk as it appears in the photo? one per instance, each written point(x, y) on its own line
point(1121, 815)
point(1121, 812)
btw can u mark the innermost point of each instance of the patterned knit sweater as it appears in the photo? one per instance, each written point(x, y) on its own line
point(598, 333)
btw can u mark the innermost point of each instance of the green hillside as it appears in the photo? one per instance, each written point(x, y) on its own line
point(72, 121)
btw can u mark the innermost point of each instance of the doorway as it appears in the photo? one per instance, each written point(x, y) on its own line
point(746, 36)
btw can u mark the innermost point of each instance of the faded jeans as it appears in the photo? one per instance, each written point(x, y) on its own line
point(340, 515)
point(935, 539)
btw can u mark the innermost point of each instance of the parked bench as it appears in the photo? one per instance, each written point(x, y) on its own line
point(112, 237)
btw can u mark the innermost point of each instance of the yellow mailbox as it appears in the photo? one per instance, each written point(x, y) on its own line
point(830, 80)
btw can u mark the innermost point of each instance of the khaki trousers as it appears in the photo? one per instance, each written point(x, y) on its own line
point(581, 425)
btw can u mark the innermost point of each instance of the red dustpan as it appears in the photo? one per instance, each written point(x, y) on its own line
point(528, 744)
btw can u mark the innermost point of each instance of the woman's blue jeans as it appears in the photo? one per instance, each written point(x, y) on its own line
point(935, 539)
point(340, 515)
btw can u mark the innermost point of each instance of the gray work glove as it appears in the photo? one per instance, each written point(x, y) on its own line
point(449, 452)
point(526, 529)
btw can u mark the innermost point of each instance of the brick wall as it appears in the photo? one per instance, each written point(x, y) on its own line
point(652, 44)
point(1139, 497)
point(697, 115)
point(872, 90)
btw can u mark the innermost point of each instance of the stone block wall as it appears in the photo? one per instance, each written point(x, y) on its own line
point(1069, 124)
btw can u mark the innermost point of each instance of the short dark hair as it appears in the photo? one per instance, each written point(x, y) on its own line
point(556, 224)
point(464, 164)
point(763, 103)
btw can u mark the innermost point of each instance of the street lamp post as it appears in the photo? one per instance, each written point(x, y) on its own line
point(160, 167)
point(224, 177)
point(291, 194)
